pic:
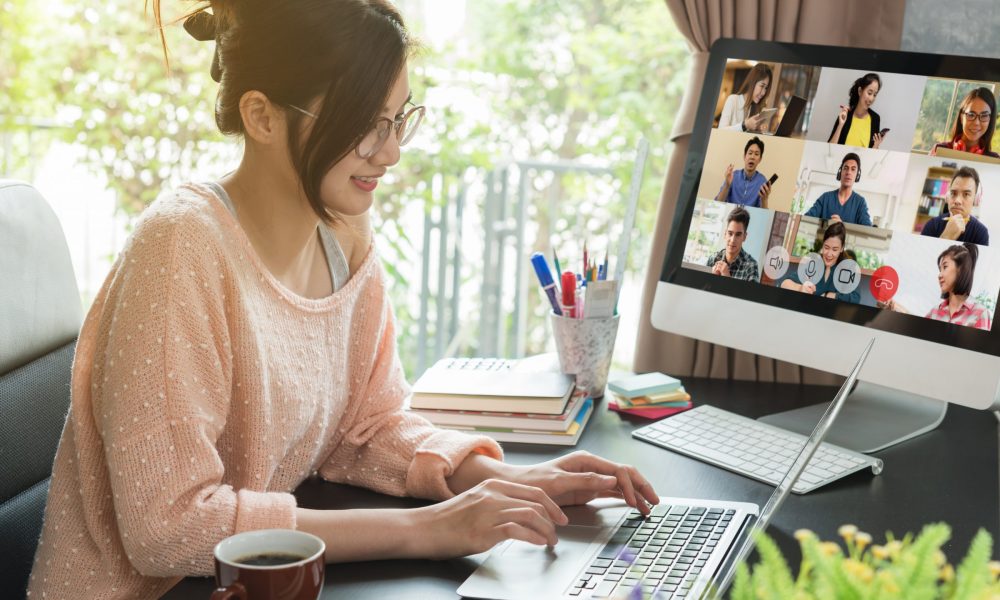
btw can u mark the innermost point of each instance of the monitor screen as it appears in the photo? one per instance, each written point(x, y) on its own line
point(859, 186)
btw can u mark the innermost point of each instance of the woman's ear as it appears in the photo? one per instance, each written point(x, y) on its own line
point(262, 119)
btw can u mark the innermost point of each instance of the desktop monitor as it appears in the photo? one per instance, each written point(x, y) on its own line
point(870, 216)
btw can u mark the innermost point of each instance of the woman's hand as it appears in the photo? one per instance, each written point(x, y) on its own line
point(580, 477)
point(485, 515)
point(876, 140)
point(753, 123)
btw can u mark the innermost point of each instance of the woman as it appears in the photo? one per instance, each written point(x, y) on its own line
point(243, 341)
point(974, 124)
point(832, 252)
point(956, 272)
point(857, 124)
point(742, 110)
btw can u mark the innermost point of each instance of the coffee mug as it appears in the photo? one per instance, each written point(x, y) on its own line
point(269, 564)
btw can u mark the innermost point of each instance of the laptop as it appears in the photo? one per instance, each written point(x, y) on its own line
point(686, 548)
point(791, 117)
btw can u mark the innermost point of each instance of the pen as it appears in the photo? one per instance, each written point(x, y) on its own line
point(545, 278)
point(568, 280)
point(555, 259)
point(585, 263)
point(605, 271)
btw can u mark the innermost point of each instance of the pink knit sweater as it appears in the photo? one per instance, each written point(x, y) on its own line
point(204, 392)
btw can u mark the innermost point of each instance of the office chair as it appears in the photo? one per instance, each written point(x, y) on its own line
point(40, 316)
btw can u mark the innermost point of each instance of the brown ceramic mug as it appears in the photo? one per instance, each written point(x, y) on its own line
point(269, 564)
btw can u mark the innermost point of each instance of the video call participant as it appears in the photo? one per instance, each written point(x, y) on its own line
point(960, 225)
point(733, 261)
point(742, 109)
point(956, 271)
point(974, 125)
point(746, 186)
point(857, 124)
point(832, 252)
point(844, 204)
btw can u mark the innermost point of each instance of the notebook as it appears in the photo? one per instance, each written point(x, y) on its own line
point(492, 385)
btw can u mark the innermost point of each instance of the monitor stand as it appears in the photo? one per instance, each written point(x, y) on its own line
point(874, 417)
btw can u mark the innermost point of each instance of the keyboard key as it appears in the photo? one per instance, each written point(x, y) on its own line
point(605, 589)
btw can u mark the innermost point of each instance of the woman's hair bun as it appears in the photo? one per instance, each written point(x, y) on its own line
point(201, 26)
point(973, 251)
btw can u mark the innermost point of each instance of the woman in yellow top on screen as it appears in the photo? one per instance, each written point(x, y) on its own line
point(857, 124)
point(974, 126)
point(743, 110)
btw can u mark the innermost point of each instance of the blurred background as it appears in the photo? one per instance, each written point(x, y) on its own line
point(534, 111)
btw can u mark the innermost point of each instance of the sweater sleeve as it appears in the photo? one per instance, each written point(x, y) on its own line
point(731, 113)
point(389, 449)
point(816, 210)
point(863, 217)
point(161, 385)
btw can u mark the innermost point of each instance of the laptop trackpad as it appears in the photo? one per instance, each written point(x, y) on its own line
point(518, 570)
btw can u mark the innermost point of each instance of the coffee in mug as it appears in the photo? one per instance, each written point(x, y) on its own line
point(271, 564)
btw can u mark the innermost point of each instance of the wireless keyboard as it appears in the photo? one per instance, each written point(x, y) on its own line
point(751, 448)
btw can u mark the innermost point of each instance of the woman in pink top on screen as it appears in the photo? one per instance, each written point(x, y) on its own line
point(974, 125)
point(956, 275)
point(227, 357)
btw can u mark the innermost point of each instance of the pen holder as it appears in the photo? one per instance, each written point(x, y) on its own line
point(585, 347)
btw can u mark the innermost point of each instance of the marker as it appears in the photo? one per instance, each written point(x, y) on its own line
point(545, 278)
point(568, 280)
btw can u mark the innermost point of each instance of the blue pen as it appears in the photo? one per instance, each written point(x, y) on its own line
point(545, 278)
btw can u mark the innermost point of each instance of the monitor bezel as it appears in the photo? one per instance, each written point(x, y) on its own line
point(907, 63)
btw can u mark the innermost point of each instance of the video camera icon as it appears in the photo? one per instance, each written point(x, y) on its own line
point(847, 276)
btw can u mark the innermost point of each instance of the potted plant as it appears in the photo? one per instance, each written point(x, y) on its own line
point(908, 568)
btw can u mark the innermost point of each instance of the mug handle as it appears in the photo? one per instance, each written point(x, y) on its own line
point(233, 591)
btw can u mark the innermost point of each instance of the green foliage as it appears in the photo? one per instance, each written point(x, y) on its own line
point(573, 80)
point(913, 568)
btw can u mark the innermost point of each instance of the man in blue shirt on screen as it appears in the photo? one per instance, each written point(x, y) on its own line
point(844, 204)
point(746, 186)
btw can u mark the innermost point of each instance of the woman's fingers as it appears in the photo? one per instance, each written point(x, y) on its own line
point(629, 479)
point(530, 519)
point(515, 531)
point(532, 494)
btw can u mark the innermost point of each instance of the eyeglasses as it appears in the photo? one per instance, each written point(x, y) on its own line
point(972, 116)
point(405, 125)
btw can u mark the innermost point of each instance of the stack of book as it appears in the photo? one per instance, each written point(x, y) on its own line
point(494, 397)
point(650, 395)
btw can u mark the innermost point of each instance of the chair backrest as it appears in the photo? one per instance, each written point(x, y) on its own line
point(40, 315)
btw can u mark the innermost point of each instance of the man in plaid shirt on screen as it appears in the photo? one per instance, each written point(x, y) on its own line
point(733, 260)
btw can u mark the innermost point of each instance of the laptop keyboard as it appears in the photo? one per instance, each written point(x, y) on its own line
point(663, 553)
point(752, 448)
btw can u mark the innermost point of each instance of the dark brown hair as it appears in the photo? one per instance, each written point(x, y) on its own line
point(754, 141)
point(964, 256)
point(837, 229)
point(861, 83)
point(739, 215)
point(958, 130)
point(969, 173)
point(348, 52)
point(758, 72)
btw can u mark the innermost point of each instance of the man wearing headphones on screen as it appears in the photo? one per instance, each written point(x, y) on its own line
point(844, 204)
point(960, 225)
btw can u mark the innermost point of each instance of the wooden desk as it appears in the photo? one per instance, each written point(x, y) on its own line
point(950, 474)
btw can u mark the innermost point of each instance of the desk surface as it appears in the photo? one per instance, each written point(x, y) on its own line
point(950, 474)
